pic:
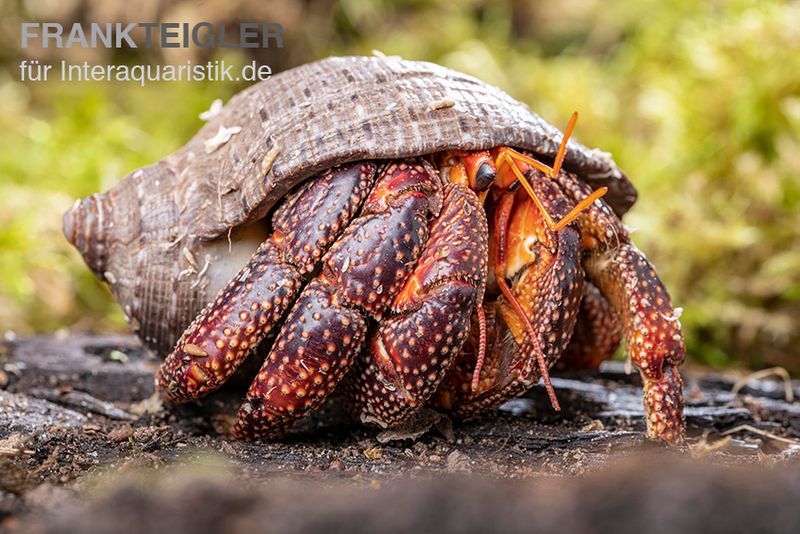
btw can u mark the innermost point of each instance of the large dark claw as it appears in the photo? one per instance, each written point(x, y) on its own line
point(231, 327)
point(361, 275)
point(225, 333)
point(308, 359)
point(412, 349)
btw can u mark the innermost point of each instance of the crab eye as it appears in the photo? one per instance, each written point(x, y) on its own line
point(484, 177)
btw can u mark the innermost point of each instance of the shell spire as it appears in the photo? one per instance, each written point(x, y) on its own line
point(84, 226)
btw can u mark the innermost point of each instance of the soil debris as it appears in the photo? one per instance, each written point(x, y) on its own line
point(72, 411)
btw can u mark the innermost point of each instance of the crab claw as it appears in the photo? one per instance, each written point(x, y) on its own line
point(229, 329)
point(414, 347)
point(360, 277)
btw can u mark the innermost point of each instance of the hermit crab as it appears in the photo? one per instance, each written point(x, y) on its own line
point(393, 231)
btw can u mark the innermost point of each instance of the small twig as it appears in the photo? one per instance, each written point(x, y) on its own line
point(502, 445)
point(202, 272)
point(703, 447)
point(444, 103)
point(754, 430)
point(11, 451)
point(190, 258)
point(764, 373)
point(269, 160)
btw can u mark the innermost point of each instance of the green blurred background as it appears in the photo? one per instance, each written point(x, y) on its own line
point(698, 101)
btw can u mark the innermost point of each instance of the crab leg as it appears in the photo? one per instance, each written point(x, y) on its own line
point(362, 273)
point(231, 327)
point(476, 373)
point(413, 348)
point(653, 335)
point(311, 354)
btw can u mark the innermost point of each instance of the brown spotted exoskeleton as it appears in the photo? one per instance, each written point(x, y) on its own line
point(395, 230)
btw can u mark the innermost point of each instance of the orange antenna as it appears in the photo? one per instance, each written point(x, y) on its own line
point(502, 213)
point(476, 375)
point(562, 148)
point(543, 371)
point(510, 157)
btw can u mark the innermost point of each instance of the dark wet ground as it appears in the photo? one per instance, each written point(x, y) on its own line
point(84, 443)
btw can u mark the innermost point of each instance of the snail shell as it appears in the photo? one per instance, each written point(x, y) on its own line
point(160, 237)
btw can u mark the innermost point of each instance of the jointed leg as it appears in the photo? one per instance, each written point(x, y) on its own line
point(476, 374)
point(652, 333)
point(506, 372)
point(230, 328)
point(309, 357)
point(534, 340)
point(653, 336)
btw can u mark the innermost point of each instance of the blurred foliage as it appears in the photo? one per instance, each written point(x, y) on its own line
point(698, 101)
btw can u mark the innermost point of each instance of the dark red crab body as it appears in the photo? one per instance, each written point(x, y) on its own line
point(423, 263)
point(409, 250)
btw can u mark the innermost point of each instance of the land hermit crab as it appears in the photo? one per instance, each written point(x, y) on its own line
point(417, 244)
